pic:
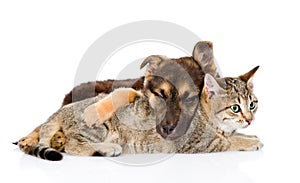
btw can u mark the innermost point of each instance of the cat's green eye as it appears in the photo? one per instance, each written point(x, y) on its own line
point(252, 105)
point(235, 108)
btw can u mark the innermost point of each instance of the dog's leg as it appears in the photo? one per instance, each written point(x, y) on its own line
point(105, 108)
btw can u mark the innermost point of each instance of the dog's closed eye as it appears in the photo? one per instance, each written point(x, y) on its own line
point(189, 99)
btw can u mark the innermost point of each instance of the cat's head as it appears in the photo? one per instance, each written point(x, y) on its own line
point(230, 102)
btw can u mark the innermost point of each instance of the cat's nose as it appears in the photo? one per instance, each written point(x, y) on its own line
point(168, 129)
point(249, 121)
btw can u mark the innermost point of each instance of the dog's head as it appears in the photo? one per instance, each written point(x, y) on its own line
point(173, 87)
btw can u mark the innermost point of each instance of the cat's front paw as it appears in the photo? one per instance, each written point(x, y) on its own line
point(108, 150)
point(243, 142)
point(254, 143)
point(253, 146)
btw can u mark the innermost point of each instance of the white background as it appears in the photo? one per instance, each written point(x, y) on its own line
point(41, 44)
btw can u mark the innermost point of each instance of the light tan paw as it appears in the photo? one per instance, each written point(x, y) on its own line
point(108, 149)
point(254, 146)
point(90, 116)
point(26, 142)
point(241, 142)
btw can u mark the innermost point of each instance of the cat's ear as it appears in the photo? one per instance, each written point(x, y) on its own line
point(153, 62)
point(248, 77)
point(203, 55)
point(211, 86)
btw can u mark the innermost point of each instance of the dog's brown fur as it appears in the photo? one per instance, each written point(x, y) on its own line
point(92, 89)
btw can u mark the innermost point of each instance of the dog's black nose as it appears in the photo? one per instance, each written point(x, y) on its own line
point(168, 129)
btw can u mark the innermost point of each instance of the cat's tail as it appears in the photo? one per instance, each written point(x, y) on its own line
point(44, 152)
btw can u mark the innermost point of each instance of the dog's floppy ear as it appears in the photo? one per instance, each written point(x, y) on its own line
point(153, 62)
point(203, 54)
